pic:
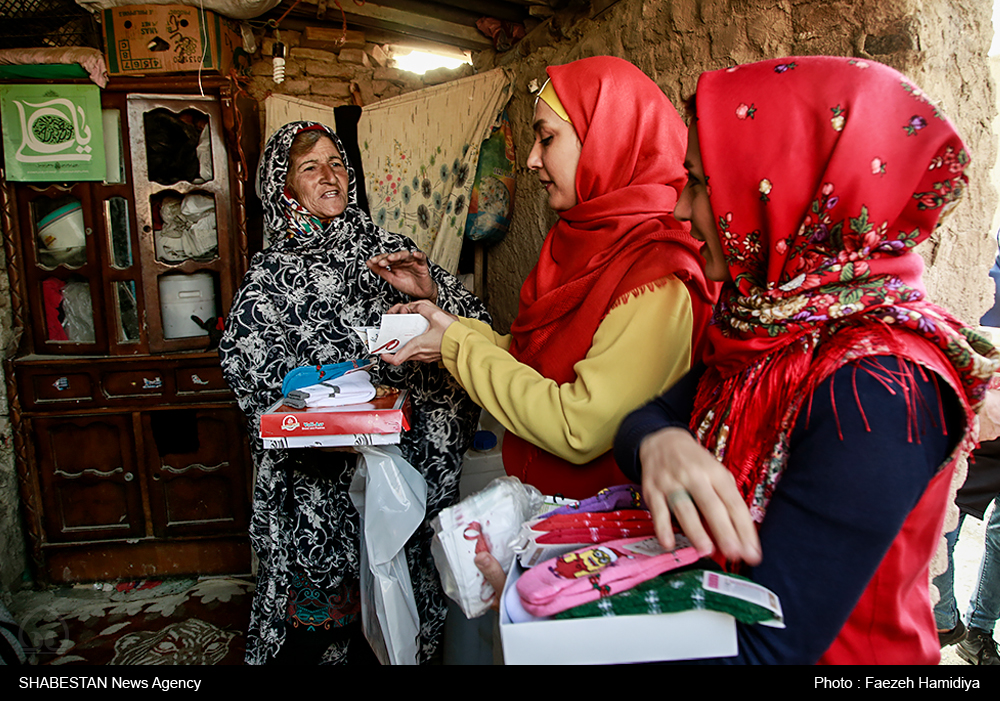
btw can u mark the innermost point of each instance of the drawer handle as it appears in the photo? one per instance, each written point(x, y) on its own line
point(193, 466)
point(155, 383)
point(197, 380)
point(94, 472)
point(61, 384)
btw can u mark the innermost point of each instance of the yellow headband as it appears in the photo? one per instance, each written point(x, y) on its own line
point(548, 95)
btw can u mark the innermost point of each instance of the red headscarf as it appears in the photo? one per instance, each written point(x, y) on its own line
point(619, 239)
point(823, 173)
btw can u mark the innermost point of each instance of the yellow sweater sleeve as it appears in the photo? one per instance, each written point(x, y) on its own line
point(497, 339)
point(640, 349)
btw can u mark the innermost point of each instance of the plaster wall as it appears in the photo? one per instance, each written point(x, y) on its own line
point(13, 556)
point(941, 44)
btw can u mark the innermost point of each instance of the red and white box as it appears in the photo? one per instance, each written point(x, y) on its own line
point(378, 422)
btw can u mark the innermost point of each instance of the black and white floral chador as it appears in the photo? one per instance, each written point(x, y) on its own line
point(296, 307)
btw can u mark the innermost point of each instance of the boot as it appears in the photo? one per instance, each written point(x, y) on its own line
point(979, 647)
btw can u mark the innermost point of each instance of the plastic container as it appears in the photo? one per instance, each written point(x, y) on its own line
point(484, 463)
point(63, 228)
point(184, 296)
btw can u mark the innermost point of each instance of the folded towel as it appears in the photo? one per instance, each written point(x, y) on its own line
point(673, 592)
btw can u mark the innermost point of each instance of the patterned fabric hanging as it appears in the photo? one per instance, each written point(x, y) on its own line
point(420, 152)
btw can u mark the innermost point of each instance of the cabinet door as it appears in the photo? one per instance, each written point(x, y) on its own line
point(181, 174)
point(89, 484)
point(117, 232)
point(198, 463)
point(62, 268)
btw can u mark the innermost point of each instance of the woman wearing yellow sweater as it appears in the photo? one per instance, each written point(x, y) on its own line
point(614, 311)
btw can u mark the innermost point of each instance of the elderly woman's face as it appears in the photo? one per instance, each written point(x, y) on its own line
point(318, 180)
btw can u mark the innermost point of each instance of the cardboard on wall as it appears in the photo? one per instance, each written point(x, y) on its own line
point(142, 39)
point(52, 133)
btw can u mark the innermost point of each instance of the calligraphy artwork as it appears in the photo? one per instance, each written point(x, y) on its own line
point(52, 133)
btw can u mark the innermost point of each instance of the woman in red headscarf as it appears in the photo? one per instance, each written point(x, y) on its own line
point(816, 444)
point(615, 309)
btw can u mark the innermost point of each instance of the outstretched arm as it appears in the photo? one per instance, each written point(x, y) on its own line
point(641, 347)
point(840, 503)
point(408, 271)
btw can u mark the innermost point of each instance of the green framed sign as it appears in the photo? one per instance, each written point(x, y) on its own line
point(52, 133)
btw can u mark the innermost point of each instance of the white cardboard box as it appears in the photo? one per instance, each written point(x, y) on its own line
point(617, 639)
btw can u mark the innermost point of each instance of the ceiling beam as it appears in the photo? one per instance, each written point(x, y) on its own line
point(477, 8)
point(376, 16)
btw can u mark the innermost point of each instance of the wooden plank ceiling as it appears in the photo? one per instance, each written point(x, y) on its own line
point(428, 23)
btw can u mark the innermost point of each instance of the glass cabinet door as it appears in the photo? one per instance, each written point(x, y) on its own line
point(143, 261)
point(62, 267)
point(119, 242)
point(182, 195)
point(60, 232)
point(125, 298)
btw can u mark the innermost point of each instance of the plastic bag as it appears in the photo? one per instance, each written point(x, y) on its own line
point(394, 496)
point(78, 311)
point(488, 520)
point(491, 202)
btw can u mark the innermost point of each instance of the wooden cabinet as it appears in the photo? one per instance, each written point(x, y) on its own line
point(131, 451)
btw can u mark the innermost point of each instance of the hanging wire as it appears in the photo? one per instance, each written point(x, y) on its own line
point(282, 18)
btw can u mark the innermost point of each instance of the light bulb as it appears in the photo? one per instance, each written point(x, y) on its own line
point(279, 62)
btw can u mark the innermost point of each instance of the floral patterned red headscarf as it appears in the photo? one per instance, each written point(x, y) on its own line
point(823, 174)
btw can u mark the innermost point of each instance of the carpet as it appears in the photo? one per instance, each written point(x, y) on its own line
point(170, 622)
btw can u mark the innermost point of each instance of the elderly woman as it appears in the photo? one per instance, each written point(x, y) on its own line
point(296, 307)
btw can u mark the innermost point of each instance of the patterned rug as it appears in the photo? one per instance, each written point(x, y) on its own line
point(172, 622)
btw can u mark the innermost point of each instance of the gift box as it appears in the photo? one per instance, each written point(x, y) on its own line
point(618, 639)
point(142, 39)
point(378, 422)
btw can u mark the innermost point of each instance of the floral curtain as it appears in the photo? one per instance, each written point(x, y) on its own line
point(279, 110)
point(420, 152)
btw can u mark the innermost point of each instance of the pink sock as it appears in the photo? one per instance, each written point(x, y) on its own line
point(597, 571)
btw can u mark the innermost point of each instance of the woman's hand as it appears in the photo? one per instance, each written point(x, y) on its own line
point(407, 271)
point(989, 416)
point(426, 347)
point(681, 478)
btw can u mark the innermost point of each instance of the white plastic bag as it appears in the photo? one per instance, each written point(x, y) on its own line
point(391, 497)
point(488, 520)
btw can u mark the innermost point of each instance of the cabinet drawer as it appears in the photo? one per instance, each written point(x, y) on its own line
point(134, 383)
point(204, 379)
point(46, 389)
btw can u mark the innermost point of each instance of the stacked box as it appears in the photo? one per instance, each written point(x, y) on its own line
point(378, 422)
point(145, 39)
